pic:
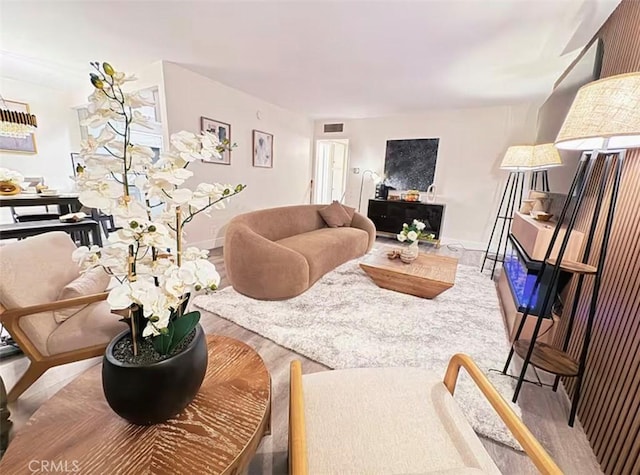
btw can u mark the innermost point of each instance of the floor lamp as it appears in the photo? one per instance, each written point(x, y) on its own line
point(376, 179)
point(517, 160)
point(545, 156)
point(604, 121)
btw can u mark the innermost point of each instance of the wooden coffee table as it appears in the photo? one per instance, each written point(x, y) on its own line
point(218, 432)
point(428, 276)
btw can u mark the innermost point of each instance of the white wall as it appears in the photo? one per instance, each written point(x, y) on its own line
point(468, 178)
point(52, 108)
point(190, 96)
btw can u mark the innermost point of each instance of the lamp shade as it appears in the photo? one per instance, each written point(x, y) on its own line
point(518, 157)
point(545, 156)
point(605, 114)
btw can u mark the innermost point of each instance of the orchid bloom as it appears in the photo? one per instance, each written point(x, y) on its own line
point(122, 179)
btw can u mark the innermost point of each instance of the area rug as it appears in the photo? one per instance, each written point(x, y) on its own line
point(347, 321)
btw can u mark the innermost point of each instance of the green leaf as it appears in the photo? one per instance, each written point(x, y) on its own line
point(162, 342)
point(182, 326)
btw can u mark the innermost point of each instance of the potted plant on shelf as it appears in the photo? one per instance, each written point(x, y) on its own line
point(412, 233)
point(153, 370)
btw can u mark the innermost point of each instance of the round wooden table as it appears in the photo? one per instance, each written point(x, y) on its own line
point(219, 432)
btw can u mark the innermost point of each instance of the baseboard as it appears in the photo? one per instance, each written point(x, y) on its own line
point(469, 245)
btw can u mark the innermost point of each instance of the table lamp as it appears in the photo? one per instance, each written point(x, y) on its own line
point(604, 121)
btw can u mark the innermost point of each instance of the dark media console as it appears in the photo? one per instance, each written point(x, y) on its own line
point(389, 216)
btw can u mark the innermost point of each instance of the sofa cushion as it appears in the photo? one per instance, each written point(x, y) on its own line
point(350, 211)
point(91, 282)
point(93, 325)
point(335, 215)
point(393, 420)
point(327, 248)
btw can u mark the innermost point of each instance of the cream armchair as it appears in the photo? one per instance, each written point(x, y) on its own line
point(393, 420)
point(34, 273)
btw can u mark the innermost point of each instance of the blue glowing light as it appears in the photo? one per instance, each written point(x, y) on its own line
point(521, 280)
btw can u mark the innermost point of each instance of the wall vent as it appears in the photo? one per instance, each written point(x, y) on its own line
point(329, 128)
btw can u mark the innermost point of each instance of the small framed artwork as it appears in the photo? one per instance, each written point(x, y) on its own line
point(262, 149)
point(18, 144)
point(76, 161)
point(223, 131)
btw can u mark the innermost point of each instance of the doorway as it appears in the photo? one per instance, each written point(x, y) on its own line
point(331, 165)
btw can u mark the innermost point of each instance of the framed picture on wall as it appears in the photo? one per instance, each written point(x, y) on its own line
point(76, 161)
point(262, 149)
point(18, 144)
point(223, 131)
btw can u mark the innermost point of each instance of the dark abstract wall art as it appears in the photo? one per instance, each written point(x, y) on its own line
point(410, 164)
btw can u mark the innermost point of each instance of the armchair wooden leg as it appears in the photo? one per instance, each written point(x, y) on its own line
point(33, 372)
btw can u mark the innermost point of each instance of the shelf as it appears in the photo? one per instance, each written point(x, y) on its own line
point(573, 266)
point(547, 358)
point(530, 263)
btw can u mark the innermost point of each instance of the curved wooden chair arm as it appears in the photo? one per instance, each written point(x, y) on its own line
point(297, 435)
point(14, 314)
point(530, 444)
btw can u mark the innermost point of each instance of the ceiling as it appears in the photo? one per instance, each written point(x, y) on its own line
point(324, 59)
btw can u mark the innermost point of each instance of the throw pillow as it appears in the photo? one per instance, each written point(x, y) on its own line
point(349, 210)
point(335, 215)
point(94, 281)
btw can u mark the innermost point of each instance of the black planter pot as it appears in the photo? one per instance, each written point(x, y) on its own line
point(151, 394)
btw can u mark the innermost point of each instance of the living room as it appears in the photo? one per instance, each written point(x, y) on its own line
point(292, 106)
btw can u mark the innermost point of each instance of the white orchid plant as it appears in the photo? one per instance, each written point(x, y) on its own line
point(412, 233)
point(155, 274)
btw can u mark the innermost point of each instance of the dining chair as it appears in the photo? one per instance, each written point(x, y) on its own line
point(33, 213)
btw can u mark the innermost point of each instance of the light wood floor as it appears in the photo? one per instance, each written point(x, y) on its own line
point(544, 412)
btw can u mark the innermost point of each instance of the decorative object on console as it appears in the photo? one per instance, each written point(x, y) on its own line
point(431, 194)
point(411, 195)
point(156, 274)
point(222, 131)
point(376, 179)
point(604, 120)
point(541, 201)
point(411, 163)
point(541, 215)
point(10, 182)
point(382, 191)
point(518, 160)
point(262, 149)
point(527, 206)
point(17, 127)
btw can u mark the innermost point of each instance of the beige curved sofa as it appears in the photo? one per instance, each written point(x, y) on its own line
point(278, 253)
